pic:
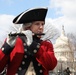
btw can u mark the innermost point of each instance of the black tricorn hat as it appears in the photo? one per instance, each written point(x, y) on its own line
point(35, 14)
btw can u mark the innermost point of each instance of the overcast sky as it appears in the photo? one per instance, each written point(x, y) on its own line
point(60, 12)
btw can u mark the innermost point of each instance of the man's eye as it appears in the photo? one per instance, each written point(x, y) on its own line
point(42, 23)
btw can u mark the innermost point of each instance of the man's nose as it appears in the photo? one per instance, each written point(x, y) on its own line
point(41, 26)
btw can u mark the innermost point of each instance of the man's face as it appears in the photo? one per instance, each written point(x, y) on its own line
point(37, 27)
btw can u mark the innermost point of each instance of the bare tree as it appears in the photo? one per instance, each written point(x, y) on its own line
point(4, 31)
point(72, 38)
point(50, 32)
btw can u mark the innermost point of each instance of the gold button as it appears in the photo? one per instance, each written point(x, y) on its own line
point(24, 44)
point(25, 56)
point(16, 74)
point(38, 46)
point(39, 64)
point(20, 68)
point(2, 48)
point(25, 49)
point(41, 71)
point(23, 62)
point(35, 51)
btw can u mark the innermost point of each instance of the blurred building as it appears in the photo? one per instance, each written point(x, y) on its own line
point(64, 53)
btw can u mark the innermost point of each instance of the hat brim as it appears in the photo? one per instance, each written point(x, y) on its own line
point(36, 14)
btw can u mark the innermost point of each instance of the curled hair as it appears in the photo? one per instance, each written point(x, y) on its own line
point(25, 26)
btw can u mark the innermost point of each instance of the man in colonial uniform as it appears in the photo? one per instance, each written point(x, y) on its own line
point(24, 53)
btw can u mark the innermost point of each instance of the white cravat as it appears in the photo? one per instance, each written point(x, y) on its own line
point(30, 70)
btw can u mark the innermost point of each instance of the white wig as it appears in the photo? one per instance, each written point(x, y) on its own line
point(25, 25)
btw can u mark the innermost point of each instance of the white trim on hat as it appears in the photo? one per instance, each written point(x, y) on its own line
point(19, 17)
point(26, 12)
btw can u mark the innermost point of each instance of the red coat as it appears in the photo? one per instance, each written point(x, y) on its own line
point(45, 56)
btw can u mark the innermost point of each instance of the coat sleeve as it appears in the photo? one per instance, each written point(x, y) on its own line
point(4, 55)
point(46, 56)
point(3, 60)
